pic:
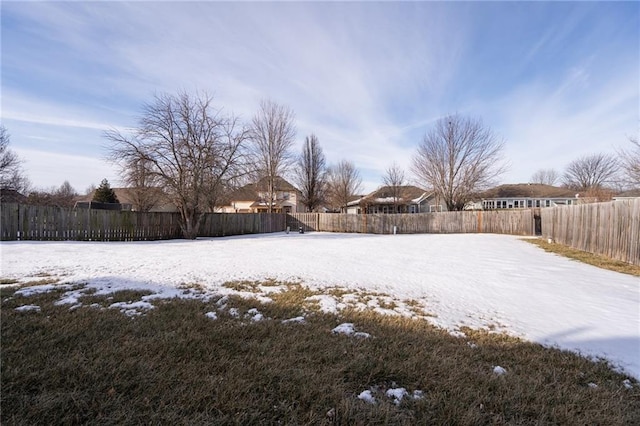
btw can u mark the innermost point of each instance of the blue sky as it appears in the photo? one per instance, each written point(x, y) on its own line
point(555, 80)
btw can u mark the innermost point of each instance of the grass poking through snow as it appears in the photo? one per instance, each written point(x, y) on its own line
point(586, 257)
point(176, 365)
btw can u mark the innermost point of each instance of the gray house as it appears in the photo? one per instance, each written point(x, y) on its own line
point(407, 199)
point(524, 196)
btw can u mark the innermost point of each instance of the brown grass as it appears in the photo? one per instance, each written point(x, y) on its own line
point(173, 365)
point(586, 257)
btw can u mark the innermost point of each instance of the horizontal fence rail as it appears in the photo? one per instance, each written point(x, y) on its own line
point(26, 222)
point(610, 229)
point(514, 222)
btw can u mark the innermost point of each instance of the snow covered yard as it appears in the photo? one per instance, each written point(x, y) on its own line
point(493, 282)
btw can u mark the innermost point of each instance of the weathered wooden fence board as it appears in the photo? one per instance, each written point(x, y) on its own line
point(610, 229)
point(25, 222)
point(516, 222)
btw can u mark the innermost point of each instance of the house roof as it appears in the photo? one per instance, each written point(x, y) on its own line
point(385, 195)
point(125, 196)
point(631, 193)
point(250, 192)
point(11, 196)
point(279, 183)
point(531, 190)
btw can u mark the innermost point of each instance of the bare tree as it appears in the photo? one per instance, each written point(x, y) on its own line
point(546, 177)
point(394, 180)
point(187, 148)
point(62, 196)
point(65, 195)
point(143, 185)
point(458, 157)
point(343, 182)
point(591, 172)
point(272, 136)
point(630, 163)
point(310, 173)
point(12, 176)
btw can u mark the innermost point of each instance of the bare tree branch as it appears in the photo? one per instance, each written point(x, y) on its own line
point(546, 177)
point(591, 172)
point(310, 173)
point(457, 158)
point(272, 136)
point(343, 182)
point(394, 179)
point(186, 148)
point(630, 163)
point(12, 175)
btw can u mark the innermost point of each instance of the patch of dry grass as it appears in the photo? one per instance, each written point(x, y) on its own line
point(173, 365)
point(586, 257)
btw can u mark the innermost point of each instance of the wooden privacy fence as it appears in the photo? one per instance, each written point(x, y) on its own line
point(514, 222)
point(23, 222)
point(611, 229)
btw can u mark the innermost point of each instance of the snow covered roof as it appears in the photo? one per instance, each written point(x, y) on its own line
point(407, 194)
point(527, 190)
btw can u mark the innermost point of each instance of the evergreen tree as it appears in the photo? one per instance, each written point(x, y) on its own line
point(104, 193)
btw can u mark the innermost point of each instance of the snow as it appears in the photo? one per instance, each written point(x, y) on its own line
point(499, 370)
point(367, 396)
point(211, 315)
point(27, 308)
point(132, 308)
point(254, 315)
point(297, 320)
point(396, 394)
point(45, 288)
point(349, 329)
point(493, 282)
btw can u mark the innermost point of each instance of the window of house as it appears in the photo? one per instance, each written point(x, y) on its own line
point(547, 203)
point(529, 203)
point(537, 203)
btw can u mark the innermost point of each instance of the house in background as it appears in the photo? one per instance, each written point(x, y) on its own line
point(11, 196)
point(525, 196)
point(254, 198)
point(630, 194)
point(128, 200)
point(410, 199)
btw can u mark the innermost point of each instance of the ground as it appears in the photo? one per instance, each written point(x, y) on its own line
point(493, 282)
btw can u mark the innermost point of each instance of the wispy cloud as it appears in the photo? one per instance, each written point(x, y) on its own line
point(367, 78)
point(49, 169)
